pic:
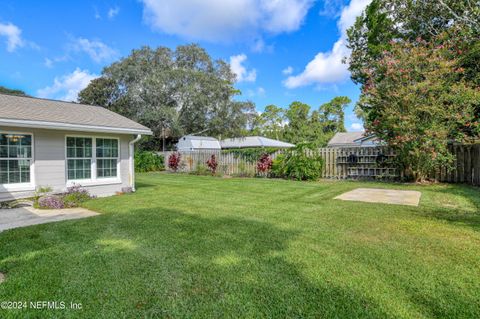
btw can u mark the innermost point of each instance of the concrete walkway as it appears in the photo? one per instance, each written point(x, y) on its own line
point(385, 196)
point(27, 216)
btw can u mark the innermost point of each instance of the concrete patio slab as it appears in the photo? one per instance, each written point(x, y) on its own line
point(27, 216)
point(385, 196)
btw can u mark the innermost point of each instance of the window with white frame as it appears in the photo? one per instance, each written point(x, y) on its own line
point(107, 157)
point(79, 158)
point(15, 158)
point(86, 153)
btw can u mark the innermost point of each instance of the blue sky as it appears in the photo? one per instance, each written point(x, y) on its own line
point(281, 50)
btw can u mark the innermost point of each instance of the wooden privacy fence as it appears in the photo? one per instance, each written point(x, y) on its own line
point(339, 163)
point(358, 162)
point(343, 163)
point(466, 167)
point(228, 163)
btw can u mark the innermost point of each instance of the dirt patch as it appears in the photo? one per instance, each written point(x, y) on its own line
point(2, 277)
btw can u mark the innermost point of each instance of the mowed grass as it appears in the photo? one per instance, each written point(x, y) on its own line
point(205, 247)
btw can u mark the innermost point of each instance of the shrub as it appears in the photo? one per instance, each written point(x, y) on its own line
point(200, 169)
point(51, 202)
point(148, 162)
point(300, 163)
point(264, 163)
point(174, 161)
point(75, 195)
point(278, 166)
point(212, 164)
point(244, 171)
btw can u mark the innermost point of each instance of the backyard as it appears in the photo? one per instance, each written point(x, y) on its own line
point(199, 246)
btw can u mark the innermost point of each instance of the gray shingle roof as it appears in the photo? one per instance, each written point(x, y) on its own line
point(58, 114)
point(345, 139)
point(253, 141)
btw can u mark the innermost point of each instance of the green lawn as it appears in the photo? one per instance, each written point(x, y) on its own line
point(204, 247)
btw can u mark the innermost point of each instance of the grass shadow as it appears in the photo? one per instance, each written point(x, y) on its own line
point(177, 265)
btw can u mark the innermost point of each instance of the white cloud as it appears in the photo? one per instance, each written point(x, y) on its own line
point(350, 13)
point(48, 63)
point(13, 35)
point(237, 67)
point(112, 12)
point(331, 8)
point(358, 127)
point(288, 70)
point(327, 67)
point(97, 50)
point(260, 92)
point(284, 15)
point(260, 46)
point(68, 86)
point(220, 20)
point(96, 13)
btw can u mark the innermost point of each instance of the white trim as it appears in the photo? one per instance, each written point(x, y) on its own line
point(19, 187)
point(97, 182)
point(4, 188)
point(131, 161)
point(94, 180)
point(72, 127)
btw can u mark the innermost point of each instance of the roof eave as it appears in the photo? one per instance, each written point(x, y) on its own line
point(73, 127)
point(363, 138)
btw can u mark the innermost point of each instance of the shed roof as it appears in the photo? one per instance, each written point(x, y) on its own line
point(196, 137)
point(42, 113)
point(198, 142)
point(253, 141)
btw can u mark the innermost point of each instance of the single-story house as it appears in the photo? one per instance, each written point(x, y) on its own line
point(252, 142)
point(353, 139)
point(58, 144)
point(197, 143)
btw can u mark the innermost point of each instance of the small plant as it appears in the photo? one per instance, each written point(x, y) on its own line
point(244, 171)
point(148, 162)
point(40, 192)
point(174, 161)
point(212, 164)
point(264, 163)
point(51, 202)
point(200, 169)
point(75, 195)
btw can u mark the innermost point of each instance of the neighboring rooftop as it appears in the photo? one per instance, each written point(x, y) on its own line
point(34, 112)
point(345, 138)
point(193, 142)
point(353, 139)
point(204, 138)
point(253, 141)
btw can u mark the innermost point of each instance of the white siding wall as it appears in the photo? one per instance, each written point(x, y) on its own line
point(49, 162)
